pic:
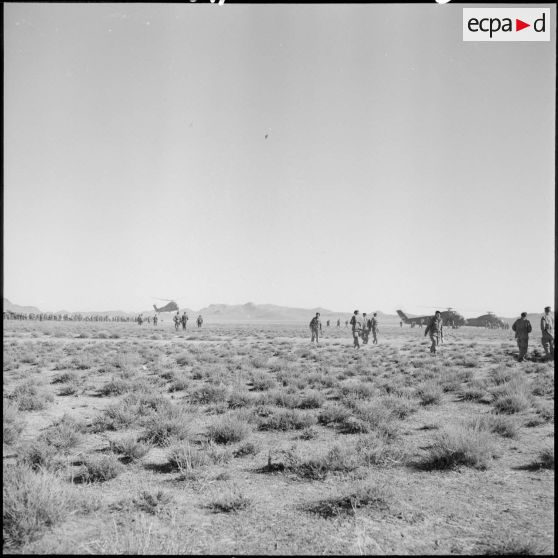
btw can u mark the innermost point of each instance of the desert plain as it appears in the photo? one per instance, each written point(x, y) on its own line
point(248, 439)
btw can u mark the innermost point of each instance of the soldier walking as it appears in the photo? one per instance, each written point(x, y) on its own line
point(522, 328)
point(316, 327)
point(338, 322)
point(356, 326)
point(547, 328)
point(184, 320)
point(176, 321)
point(435, 329)
point(155, 320)
point(374, 328)
point(200, 320)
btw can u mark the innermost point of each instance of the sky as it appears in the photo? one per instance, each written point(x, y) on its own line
point(403, 167)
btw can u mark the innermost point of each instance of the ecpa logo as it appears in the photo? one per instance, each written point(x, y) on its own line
point(506, 24)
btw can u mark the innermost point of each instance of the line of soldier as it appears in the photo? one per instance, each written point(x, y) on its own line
point(48, 316)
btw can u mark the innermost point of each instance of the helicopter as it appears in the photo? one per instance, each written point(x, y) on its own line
point(489, 320)
point(450, 317)
point(169, 307)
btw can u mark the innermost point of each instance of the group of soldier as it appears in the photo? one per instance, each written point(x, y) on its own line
point(522, 328)
point(361, 327)
point(183, 320)
point(177, 319)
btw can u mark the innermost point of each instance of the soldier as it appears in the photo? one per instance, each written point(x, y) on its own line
point(316, 327)
point(346, 323)
point(365, 329)
point(374, 328)
point(155, 320)
point(356, 327)
point(140, 319)
point(327, 323)
point(176, 321)
point(522, 328)
point(547, 328)
point(400, 324)
point(200, 320)
point(184, 320)
point(435, 329)
point(338, 322)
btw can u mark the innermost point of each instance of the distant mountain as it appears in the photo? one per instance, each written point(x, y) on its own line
point(10, 307)
point(230, 313)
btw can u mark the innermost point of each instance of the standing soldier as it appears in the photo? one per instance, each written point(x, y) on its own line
point(346, 323)
point(435, 329)
point(547, 328)
point(338, 322)
point(155, 320)
point(316, 327)
point(200, 320)
point(140, 319)
point(374, 328)
point(401, 324)
point(327, 323)
point(522, 328)
point(176, 320)
point(184, 320)
point(356, 327)
point(365, 329)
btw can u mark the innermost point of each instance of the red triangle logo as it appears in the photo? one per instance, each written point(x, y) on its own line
point(519, 25)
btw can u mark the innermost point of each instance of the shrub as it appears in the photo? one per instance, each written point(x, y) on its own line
point(65, 377)
point(262, 381)
point(28, 397)
point(162, 428)
point(185, 359)
point(430, 393)
point(287, 419)
point(209, 394)
point(179, 384)
point(359, 390)
point(240, 398)
point(184, 457)
point(376, 449)
point(333, 414)
point(130, 448)
point(116, 387)
point(505, 426)
point(376, 497)
point(71, 388)
point(32, 502)
point(511, 403)
point(459, 445)
point(12, 425)
point(99, 468)
point(336, 460)
point(546, 458)
point(248, 448)
point(63, 434)
point(311, 400)
point(38, 455)
point(228, 430)
point(152, 502)
point(231, 500)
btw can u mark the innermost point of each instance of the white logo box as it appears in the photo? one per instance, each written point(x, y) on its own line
point(491, 24)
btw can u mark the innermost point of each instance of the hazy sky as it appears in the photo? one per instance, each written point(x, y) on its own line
point(403, 167)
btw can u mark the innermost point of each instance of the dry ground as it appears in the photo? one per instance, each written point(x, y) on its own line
point(249, 440)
